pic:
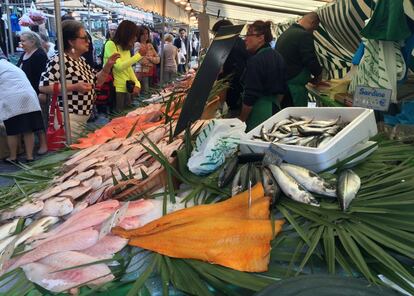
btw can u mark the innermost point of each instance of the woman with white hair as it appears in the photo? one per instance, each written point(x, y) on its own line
point(33, 63)
point(170, 59)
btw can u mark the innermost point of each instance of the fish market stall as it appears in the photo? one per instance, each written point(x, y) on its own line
point(134, 210)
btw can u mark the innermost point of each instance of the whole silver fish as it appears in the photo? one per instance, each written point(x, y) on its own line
point(292, 188)
point(348, 186)
point(309, 180)
point(228, 172)
point(8, 229)
point(263, 134)
point(324, 123)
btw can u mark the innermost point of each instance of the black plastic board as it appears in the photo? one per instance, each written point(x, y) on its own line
point(203, 82)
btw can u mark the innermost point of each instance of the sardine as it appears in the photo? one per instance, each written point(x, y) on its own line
point(305, 141)
point(271, 188)
point(324, 123)
point(8, 229)
point(291, 188)
point(279, 124)
point(228, 172)
point(324, 141)
point(309, 180)
point(311, 131)
point(348, 186)
point(263, 134)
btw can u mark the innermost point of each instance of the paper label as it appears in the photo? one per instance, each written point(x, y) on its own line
point(372, 98)
point(113, 220)
point(311, 104)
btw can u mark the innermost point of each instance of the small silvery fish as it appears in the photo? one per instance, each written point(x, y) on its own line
point(291, 188)
point(8, 229)
point(309, 180)
point(227, 172)
point(348, 186)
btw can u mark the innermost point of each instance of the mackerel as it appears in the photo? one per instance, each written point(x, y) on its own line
point(348, 186)
point(309, 180)
point(291, 188)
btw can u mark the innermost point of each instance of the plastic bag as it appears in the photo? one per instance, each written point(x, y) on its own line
point(26, 21)
point(218, 140)
point(37, 16)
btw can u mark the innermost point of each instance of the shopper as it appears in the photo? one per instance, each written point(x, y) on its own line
point(20, 110)
point(170, 59)
point(181, 42)
point(296, 45)
point(145, 70)
point(234, 66)
point(33, 62)
point(123, 43)
point(264, 79)
point(81, 79)
point(48, 46)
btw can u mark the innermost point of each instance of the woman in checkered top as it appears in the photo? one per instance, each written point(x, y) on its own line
point(81, 79)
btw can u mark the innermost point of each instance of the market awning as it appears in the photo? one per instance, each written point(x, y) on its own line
point(251, 10)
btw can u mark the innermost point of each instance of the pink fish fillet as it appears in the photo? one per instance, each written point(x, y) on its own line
point(46, 276)
point(139, 207)
point(109, 204)
point(84, 222)
point(106, 247)
point(130, 223)
point(76, 241)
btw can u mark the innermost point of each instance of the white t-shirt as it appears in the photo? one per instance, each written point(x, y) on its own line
point(17, 94)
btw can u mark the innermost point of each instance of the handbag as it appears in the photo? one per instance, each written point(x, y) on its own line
point(55, 136)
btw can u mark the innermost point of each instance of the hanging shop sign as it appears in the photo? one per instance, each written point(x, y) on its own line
point(372, 98)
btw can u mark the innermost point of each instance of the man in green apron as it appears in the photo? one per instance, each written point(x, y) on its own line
point(296, 45)
point(264, 77)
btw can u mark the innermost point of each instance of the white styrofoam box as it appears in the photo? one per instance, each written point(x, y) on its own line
point(361, 127)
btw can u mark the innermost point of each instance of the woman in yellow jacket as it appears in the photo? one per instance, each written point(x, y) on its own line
point(122, 70)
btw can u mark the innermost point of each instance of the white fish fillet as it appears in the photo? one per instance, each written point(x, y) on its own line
point(81, 154)
point(54, 191)
point(94, 183)
point(57, 206)
point(76, 192)
point(8, 229)
point(26, 209)
point(36, 228)
point(84, 175)
point(130, 223)
point(106, 247)
point(75, 241)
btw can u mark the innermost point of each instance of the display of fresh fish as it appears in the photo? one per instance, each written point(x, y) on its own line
point(37, 227)
point(57, 206)
point(228, 172)
point(291, 188)
point(26, 209)
point(8, 229)
point(271, 188)
point(298, 131)
point(106, 247)
point(348, 187)
point(75, 241)
point(50, 278)
point(309, 180)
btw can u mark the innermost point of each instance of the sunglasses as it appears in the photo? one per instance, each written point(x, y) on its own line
point(85, 38)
